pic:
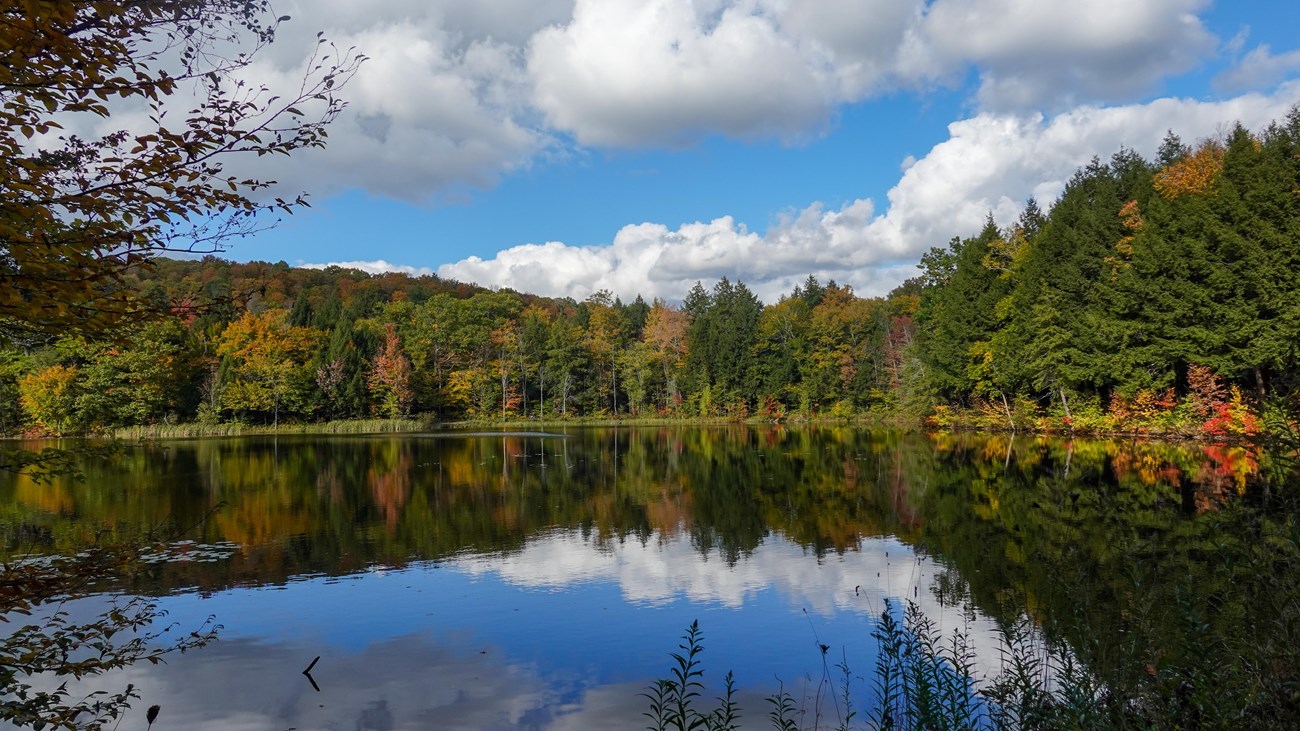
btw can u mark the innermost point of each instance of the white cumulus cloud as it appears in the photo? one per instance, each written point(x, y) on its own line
point(378, 266)
point(441, 105)
point(653, 260)
point(990, 162)
point(630, 72)
point(1032, 54)
point(638, 72)
point(1260, 68)
point(458, 93)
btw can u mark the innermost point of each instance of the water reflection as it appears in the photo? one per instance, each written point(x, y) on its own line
point(526, 581)
point(515, 641)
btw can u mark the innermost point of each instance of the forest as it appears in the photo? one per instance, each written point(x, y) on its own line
point(1153, 296)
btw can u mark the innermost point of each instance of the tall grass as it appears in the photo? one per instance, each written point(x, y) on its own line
point(674, 701)
point(236, 429)
point(923, 680)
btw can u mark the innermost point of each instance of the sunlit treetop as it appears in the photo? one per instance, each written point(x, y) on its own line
point(1194, 173)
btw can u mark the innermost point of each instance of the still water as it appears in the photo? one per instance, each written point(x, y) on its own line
point(540, 580)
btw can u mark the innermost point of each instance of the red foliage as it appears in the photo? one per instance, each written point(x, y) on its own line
point(770, 407)
point(1231, 419)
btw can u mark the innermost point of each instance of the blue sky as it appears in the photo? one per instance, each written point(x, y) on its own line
point(563, 146)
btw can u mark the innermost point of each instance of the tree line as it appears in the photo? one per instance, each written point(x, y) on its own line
point(1159, 293)
point(265, 342)
point(1153, 295)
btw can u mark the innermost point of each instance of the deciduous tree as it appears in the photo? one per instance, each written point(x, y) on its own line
point(390, 377)
point(270, 364)
point(78, 209)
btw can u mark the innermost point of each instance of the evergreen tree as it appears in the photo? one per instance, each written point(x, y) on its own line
point(958, 311)
point(722, 340)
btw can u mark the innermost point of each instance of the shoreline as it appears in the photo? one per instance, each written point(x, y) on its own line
point(361, 427)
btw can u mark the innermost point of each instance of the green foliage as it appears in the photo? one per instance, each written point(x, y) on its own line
point(1090, 316)
point(1137, 274)
point(53, 644)
point(12, 367)
point(721, 340)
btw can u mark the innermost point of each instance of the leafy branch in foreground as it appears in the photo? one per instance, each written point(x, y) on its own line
point(80, 208)
point(53, 647)
point(53, 462)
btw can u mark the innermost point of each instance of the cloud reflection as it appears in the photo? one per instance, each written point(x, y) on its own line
point(655, 573)
point(515, 640)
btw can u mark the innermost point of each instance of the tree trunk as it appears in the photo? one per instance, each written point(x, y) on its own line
point(1066, 404)
point(668, 386)
point(1007, 406)
point(564, 397)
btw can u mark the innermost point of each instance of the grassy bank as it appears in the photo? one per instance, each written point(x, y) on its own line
point(385, 426)
point(943, 418)
point(239, 429)
point(873, 420)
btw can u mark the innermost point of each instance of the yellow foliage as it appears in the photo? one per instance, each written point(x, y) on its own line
point(47, 397)
point(1194, 174)
point(459, 388)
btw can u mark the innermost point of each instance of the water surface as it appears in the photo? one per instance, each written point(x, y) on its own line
point(532, 580)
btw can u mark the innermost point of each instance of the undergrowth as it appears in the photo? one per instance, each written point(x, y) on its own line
point(927, 680)
point(236, 428)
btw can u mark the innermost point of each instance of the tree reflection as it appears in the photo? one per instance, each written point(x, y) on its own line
point(1168, 553)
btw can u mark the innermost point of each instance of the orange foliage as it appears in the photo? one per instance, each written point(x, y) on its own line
point(1131, 217)
point(1144, 406)
point(1206, 391)
point(1194, 174)
point(769, 407)
point(665, 329)
point(390, 377)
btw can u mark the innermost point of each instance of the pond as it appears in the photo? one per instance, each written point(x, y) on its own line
point(540, 580)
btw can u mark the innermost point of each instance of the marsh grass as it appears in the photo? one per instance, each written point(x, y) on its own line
point(239, 429)
point(924, 679)
point(921, 681)
point(675, 700)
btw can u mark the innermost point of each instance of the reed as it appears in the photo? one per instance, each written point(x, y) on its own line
point(924, 681)
point(674, 699)
point(238, 429)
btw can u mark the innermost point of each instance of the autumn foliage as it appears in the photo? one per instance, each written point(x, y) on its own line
point(390, 377)
point(80, 207)
point(1195, 174)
